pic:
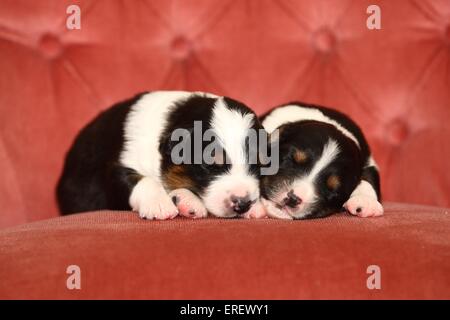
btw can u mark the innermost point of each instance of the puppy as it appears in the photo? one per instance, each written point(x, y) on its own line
point(325, 165)
point(124, 159)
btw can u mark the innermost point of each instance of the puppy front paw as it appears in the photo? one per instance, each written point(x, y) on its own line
point(364, 206)
point(157, 207)
point(151, 201)
point(257, 211)
point(273, 211)
point(188, 204)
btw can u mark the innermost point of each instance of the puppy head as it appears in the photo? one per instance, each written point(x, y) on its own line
point(319, 168)
point(219, 171)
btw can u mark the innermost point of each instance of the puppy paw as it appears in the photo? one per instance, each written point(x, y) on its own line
point(158, 207)
point(273, 211)
point(257, 211)
point(364, 207)
point(188, 204)
point(151, 201)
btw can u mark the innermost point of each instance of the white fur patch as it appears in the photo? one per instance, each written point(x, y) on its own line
point(364, 202)
point(293, 113)
point(231, 128)
point(364, 189)
point(151, 201)
point(217, 197)
point(329, 153)
point(143, 127)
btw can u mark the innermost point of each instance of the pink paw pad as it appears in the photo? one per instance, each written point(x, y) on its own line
point(188, 204)
point(364, 207)
point(257, 211)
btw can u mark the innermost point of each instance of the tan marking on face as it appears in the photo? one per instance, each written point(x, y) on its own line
point(176, 178)
point(333, 182)
point(300, 156)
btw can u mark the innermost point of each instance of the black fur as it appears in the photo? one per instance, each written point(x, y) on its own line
point(92, 177)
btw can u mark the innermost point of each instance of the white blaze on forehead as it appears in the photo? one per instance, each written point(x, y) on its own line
point(231, 128)
point(293, 113)
point(329, 153)
point(306, 183)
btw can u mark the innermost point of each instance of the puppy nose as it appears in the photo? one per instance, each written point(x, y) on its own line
point(241, 204)
point(292, 200)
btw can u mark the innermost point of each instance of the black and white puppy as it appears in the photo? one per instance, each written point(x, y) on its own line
point(325, 165)
point(123, 159)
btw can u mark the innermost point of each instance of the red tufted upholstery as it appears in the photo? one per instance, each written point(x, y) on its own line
point(394, 81)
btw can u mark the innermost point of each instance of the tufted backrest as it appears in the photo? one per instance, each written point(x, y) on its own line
point(395, 81)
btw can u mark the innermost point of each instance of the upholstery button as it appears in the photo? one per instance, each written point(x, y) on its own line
point(324, 40)
point(397, 131)
point(181, 48)
point(50, 46)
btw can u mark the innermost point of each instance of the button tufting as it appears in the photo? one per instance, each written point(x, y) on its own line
point(50, 46)
point(324, 40)
point(397, 131)
point(181, 47)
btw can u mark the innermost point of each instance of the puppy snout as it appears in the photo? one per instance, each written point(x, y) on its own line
point(292, 200)
point(241, 204)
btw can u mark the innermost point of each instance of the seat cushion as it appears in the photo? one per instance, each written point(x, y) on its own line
point(122, 256)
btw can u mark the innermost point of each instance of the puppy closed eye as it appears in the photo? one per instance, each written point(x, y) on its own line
point(333, 182)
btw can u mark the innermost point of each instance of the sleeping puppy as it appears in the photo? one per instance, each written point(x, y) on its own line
point(325, 165)
point(125, 159)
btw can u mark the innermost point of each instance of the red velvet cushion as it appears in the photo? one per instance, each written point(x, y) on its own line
point(121, 256)
point(393, 81)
